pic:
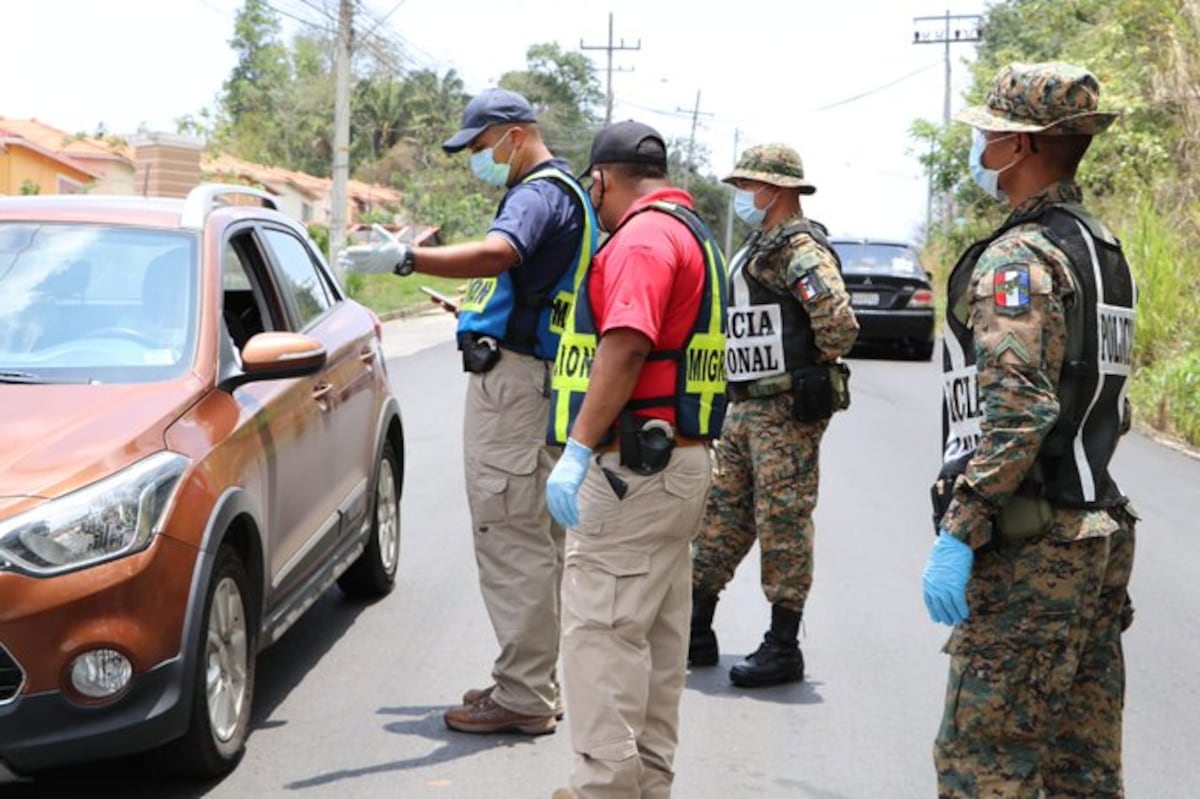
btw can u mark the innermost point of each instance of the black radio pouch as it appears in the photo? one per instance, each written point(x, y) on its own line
point(942, 491)
point(812, 394)
point(480, 354)
point(646, 444)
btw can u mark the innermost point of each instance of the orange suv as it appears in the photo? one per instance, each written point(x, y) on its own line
point(199, 438)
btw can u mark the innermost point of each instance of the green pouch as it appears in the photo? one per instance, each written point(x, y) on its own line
point(839, 381)
point(1023, 518)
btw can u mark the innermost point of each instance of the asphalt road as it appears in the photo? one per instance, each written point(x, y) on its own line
point(349, 703)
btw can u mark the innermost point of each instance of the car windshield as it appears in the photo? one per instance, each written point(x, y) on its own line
point(95, 303)
point(878, 259)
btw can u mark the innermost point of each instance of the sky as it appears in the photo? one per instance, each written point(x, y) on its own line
point(841, 82)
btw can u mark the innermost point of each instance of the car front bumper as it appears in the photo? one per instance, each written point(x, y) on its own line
point(41, 731)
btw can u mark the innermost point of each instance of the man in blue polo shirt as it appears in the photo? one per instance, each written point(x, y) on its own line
point(522, 277)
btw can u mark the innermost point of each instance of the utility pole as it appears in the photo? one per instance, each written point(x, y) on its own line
point(609, 48)
point(341, 132)
point(729, 212)
point(687, 172)
point(965, 29)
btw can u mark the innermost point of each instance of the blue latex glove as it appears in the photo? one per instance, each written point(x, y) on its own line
point(945, 579)
point(562, 487)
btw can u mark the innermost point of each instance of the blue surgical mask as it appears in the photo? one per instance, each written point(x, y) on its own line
point(986, 179)
point(484, 166)
point(743, 206)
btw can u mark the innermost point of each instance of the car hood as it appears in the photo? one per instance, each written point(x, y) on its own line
point(60, 437)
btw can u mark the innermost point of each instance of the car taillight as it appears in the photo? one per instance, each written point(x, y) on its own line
point(921, 298)
point(377, 324)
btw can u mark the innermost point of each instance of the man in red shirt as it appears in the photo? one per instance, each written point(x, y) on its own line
point(639, 387)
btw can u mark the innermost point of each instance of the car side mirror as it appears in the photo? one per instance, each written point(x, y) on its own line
point(277, 356)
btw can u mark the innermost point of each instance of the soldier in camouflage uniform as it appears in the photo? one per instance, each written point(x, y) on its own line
point(789, 324)
point(1035, 542)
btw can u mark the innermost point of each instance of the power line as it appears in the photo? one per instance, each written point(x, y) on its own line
point(876, 90)
point(609, 48)
point(967, 29)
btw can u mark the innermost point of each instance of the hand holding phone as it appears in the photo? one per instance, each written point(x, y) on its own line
point(440, 300)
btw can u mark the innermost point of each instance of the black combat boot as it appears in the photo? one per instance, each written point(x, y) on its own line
point(702, 647)
point(778, 660)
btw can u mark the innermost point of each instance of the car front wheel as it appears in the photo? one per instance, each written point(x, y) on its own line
point(374, 573)
point(223, 688)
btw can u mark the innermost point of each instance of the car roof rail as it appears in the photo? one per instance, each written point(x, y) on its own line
point(204, 198)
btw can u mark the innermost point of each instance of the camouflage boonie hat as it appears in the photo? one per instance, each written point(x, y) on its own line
point(776, 164)
point(1055, 99)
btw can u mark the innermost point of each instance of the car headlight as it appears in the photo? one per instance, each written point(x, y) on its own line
point(110, 518)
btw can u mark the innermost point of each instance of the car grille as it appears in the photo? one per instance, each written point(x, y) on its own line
point(11, 676)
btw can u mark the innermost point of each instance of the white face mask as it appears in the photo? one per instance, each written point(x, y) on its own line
point(986, 179)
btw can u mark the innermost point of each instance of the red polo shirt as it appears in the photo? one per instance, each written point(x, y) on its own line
point(649, 277)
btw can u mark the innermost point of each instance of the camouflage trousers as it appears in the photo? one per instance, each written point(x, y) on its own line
point(1037, 675)
point(765, 487)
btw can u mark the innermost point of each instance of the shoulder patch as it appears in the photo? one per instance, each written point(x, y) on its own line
point(811, 286)
point(1010, 289)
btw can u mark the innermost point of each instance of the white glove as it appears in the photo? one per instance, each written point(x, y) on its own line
point(381, 257)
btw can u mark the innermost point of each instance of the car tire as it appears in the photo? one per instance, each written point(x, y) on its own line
point(374, 573)
point(222, 690)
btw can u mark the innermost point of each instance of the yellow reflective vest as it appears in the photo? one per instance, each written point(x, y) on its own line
point(699, 398)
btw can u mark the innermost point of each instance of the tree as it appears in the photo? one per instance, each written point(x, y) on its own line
point(565, 93)
point(250, 120)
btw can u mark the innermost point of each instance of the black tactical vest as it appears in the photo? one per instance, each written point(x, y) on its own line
point(745, 291)
point(1073, 460)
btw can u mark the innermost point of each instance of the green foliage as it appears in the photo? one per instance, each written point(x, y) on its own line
point(1169, 302)
point(1167, 397)
point(1145, 53)
point(387, 295)
point(320, 236)
point(564, 91)
point(28, 187)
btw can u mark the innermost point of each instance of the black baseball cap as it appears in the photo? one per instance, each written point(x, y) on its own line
point(489, 107)
point(627, 142)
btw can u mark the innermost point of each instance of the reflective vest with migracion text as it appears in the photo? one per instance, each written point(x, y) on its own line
point(699, 398)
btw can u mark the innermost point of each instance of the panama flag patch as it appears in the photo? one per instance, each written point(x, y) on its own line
point(1012, 289)
point(811, 286)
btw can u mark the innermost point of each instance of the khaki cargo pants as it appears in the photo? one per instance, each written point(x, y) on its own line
point(518, 547)
point(626, 612)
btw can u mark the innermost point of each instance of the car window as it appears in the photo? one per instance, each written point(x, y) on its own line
point(96, 303)
point(878, 259)
point(245, 308)
point(301, 280)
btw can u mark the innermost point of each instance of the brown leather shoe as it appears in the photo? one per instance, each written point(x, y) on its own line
point(485, 716)
point(473, 695)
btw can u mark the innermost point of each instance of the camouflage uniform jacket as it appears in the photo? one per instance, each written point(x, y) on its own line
point(1019, 362)
point(795, 264)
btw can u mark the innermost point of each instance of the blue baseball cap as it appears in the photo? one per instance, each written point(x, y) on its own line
point(489, 107)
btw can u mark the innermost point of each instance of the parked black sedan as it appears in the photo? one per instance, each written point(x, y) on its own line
point(891, 294)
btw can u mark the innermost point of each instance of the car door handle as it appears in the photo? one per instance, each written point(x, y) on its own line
point(321, 394)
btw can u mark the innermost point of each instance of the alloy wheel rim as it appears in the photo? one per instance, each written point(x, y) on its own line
point(226, 660)
point(387, 517)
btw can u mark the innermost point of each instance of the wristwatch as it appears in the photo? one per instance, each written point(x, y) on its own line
point(407, 263)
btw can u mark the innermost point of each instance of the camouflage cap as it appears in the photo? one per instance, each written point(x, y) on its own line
point(1052, 98)
point(776, 164)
